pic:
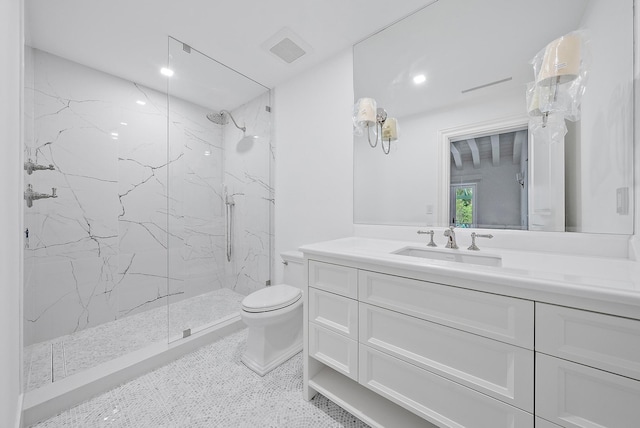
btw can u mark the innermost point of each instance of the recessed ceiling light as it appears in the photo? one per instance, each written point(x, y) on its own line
point(140, 102)
point(207, 153)
point(166, 71)
point(115, 134)
point(420, 78)
point(123, 123)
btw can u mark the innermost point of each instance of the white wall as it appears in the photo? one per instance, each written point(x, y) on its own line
point(10, 209)
point(607, 128)
point(634, 242)
point(314, 158)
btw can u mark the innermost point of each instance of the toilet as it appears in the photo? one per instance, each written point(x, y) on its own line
point(273, 316)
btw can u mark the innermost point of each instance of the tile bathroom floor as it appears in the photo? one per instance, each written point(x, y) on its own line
point(209, 388)
point(63, 356)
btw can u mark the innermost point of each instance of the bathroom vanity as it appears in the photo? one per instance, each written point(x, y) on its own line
point(404, 336)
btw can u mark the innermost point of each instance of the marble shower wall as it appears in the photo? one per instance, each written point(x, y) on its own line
point(99, 251)
point(247, 176)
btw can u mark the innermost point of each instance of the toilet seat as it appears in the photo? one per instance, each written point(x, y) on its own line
point(271, 298)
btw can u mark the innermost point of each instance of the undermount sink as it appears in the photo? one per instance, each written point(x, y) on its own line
point(451, 256)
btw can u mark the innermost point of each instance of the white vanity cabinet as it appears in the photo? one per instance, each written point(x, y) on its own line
point(430, 349)
point(333, 317)
point(399, 351)
point(587, 368)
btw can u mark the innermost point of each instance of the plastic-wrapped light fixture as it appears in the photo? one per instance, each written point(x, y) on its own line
point(561, 74)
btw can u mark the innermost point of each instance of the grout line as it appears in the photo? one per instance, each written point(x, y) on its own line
point(64, 360)
point(52, 371)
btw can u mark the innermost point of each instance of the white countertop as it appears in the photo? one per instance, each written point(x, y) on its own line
point(609, 285)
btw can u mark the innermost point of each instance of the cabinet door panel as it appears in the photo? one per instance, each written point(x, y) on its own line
point(439, 400)
point(602, 341)
point(573, 395)
point(334, 350)
point(498, 317)
point(498, 369)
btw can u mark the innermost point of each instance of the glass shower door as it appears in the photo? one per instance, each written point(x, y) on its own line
point(219, 192)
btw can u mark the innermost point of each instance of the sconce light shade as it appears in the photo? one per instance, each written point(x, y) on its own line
point(365, 112)
point(561, 61)
point(390, 129)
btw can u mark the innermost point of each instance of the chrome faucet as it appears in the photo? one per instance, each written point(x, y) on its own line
point(451, 242)
point(29, 166)
point(428, 232)
point(30, 195)
point(474, 235)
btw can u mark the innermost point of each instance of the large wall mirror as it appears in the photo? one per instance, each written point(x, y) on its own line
point(475, 58)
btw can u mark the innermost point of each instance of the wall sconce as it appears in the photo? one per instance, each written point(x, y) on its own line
point(560, 73)
point(366, 115)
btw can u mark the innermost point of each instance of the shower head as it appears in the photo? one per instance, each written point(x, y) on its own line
point(218, 118)
point(222, 118)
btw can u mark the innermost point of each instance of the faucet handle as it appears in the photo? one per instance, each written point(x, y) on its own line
point(474, 235)
point(428, 232)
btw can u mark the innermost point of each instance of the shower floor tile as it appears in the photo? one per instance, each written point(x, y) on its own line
point(209, 388)
point(46, 362)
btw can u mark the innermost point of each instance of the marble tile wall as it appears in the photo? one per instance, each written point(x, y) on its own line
point(111, 244)
point(247, 163)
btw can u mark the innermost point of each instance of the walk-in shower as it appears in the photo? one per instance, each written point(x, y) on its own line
point(129, 249)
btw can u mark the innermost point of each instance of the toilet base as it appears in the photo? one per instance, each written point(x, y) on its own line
point(263, 369)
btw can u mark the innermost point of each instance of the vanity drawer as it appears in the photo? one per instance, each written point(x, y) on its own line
point(334, 278)
point(439, 400)
point(498, 317)
point(333, 349)
point(495, 368)
point(334, 312)
point(573, 395)
point(602, 341)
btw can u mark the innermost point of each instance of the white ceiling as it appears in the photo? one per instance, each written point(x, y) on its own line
point(128, 38)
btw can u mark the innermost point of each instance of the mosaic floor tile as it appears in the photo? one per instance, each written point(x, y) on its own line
point(210, 388)
point(75, 352)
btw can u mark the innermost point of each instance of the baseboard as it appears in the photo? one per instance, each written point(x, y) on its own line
point(263, 370)
point(51, 399)
point(18, 418)
point(634, 248)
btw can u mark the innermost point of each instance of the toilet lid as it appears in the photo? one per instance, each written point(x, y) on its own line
point(271, 298)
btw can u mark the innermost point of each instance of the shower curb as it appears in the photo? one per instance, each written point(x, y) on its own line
point(49, 400)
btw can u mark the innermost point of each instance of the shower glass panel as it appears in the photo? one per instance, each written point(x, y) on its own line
point(220, 196)
point(96, 275)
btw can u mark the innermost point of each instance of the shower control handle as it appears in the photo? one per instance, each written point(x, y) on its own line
point(30, 195)
point(29, 166)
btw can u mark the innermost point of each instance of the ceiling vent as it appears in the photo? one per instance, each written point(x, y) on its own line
point(287, 46)
point(287, 50)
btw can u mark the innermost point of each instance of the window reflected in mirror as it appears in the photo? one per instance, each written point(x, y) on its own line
point(488, 181)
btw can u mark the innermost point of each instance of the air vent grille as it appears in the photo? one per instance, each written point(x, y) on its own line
point(287, 50)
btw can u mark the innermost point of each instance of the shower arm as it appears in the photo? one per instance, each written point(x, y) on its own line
point(242, 128)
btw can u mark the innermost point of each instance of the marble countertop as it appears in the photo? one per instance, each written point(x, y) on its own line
point(608, 285)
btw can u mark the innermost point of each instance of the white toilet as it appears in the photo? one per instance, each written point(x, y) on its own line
point(273, 316)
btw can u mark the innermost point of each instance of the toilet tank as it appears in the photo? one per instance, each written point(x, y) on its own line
point(293, 268)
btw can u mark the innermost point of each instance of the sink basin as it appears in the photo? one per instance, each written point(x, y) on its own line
point(460, 256)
